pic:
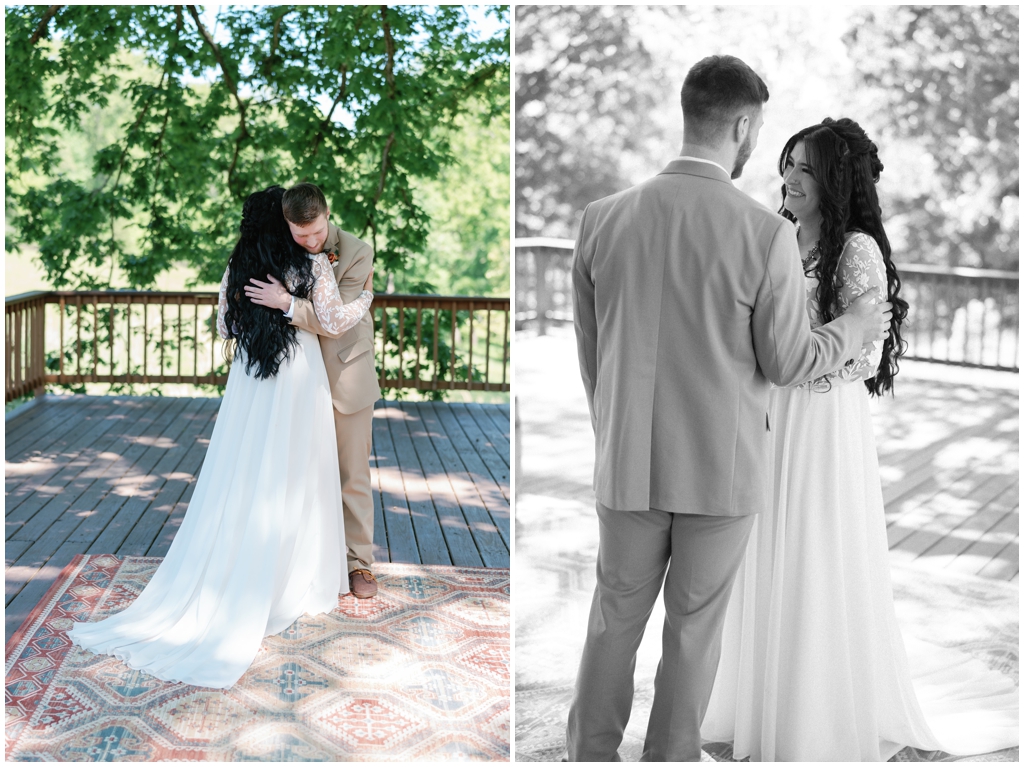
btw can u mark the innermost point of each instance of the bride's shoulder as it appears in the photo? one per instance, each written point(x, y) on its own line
point(857, 241)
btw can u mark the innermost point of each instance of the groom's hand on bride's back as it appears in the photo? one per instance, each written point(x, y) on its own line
point(873, 314)
point(271, 294)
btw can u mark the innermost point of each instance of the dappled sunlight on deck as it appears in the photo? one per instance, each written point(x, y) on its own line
point(114, 475)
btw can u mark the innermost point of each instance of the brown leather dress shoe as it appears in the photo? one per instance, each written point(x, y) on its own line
point(362, 584)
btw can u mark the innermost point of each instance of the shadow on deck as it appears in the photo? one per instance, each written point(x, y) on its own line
point(948, 448)
point(90, 475)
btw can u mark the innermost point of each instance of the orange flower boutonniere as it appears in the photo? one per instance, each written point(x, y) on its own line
point(332, 257)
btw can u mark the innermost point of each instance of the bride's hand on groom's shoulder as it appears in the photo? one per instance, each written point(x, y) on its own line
point(368, 285)
point(272, 294)
point(873, 314)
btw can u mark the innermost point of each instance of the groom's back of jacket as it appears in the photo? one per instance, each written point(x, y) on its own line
point(687, 298)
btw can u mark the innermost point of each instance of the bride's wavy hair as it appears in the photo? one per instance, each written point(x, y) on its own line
point(846, 167)
point(265, 246)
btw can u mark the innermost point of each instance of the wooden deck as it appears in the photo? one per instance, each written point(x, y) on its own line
point(948, 451)
point(115, 475)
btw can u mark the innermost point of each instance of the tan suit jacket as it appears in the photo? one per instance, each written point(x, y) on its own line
point(688, 299)
point(349, 358)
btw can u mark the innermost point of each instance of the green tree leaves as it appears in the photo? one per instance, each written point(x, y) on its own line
point(357, 99)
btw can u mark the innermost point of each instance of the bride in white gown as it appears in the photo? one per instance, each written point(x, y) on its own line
point(813, 664)
point(263, 540)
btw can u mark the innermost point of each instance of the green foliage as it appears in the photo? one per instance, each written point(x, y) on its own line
point(579, 113)
point(467, 251)
point(946, 77)
point(936, 87)
point(207, 120)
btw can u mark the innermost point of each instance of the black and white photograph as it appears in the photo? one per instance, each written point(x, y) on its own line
point(766, 383)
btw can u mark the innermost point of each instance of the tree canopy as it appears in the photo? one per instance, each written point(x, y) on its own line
point(360, 100)
point(936, 87)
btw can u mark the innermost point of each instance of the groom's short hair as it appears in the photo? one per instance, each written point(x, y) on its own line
point(716, 90)
point(303, 204)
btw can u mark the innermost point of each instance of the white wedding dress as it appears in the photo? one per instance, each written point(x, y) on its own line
point(813, 664)
point(263, 539)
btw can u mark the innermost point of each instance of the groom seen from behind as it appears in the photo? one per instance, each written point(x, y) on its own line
point(688, 301)
point(350, 365)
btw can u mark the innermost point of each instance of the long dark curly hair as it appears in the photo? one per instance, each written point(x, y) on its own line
point(265, 246)
point(846, 167)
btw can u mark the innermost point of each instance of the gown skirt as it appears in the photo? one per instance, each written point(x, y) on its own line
point(813, 665)
point(262, 542)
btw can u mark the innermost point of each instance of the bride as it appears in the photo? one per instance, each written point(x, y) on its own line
point(263, 539)
point(813, 665)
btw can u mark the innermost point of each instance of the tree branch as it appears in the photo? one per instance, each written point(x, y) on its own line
point(326, 121)
point(389, 77)
point(229, 81)
point(383, 168)
point(43, 24)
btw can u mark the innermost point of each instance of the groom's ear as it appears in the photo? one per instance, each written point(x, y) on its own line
point(741, 128)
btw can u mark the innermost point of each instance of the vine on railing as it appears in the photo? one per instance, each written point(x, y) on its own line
point(72, 338)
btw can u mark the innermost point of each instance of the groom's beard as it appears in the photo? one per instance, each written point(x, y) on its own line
point(742, 157)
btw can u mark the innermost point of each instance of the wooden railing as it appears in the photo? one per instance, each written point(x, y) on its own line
point(126, 337)
point(438, 340)
point(958, 316)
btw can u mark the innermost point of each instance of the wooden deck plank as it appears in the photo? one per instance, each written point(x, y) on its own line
point(17, 610)
point(1001, 492)
point(188, 471)
point(69, 432)
point(37, 474)
point(1005, 566)
point(166, 496)
point(500, 417)
point(49, 420)
point(457, 535)
point(69, 524)
point(79, 485)
point(13, 550)
point(487, 447)
point(380, 533)
point(430, 540)
point(921, 528)
point(84, 471)
point(140, 483)
point(495, 499)
point(486, 533)
point(120, 479)
point(401, 536)
point(497, 432)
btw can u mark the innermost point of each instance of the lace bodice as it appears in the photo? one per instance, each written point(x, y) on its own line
point(335, 316)
point(861, 268)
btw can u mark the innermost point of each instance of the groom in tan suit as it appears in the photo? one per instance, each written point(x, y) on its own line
point(349, 360)
point(688, 300)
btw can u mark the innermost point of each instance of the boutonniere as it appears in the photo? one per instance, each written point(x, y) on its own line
point(332, 257)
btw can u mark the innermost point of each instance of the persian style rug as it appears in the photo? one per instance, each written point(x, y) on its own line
point(421, 672)
point(975, 615)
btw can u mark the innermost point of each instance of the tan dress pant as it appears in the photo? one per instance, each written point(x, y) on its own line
point(697, 557)
point(354, 433)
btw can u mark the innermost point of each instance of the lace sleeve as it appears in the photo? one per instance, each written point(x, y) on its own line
point(861, 268)
point(335, 316)
point(222, 306)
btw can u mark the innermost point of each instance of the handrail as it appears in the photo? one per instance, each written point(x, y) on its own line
point(120, 336)
point(958, 315)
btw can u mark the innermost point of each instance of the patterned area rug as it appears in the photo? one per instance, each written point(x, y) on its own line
point(556, 580)
point(421, 672)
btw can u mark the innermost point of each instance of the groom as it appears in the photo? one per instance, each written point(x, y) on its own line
point(349, 361)
point(688, 300)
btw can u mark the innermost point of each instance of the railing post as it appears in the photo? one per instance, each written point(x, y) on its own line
point(37, 349)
